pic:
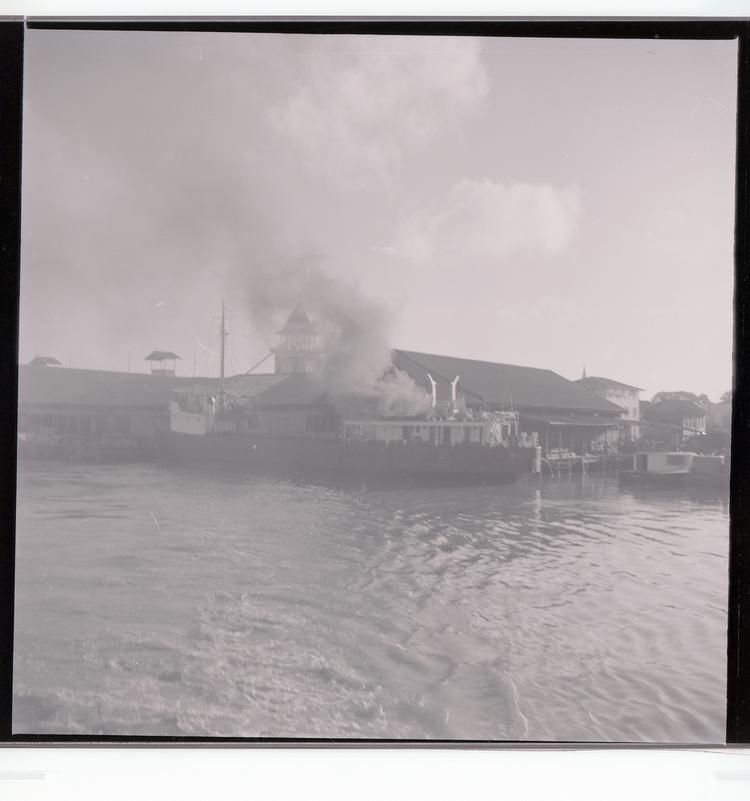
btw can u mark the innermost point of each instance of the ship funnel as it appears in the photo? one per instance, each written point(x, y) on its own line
point(454, 384)
point(434, 390)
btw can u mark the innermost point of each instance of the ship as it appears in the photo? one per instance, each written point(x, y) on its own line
point(286, 423)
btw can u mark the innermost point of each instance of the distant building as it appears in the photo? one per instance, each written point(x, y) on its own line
point(562, 413)
point(163, 362)
point(673, 420)
point(95, 411)
point(624, 395)
point(91, 413)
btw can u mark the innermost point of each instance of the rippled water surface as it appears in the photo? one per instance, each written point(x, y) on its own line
point(158, 601)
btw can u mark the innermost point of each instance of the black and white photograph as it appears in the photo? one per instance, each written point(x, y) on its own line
point(374, 387)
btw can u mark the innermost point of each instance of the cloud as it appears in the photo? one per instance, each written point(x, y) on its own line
point(360, 103)
point(481, 219)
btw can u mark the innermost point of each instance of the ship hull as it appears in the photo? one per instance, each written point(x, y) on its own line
point(655, 479)
point(329, 455)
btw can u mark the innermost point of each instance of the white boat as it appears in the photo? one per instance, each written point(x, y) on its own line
point(659, 468)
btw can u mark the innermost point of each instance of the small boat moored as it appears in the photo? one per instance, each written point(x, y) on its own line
point(659, 469)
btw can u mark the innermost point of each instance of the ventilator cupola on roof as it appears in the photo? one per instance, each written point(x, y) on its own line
point(163, 362)
point(298, 324)
point(299, 350)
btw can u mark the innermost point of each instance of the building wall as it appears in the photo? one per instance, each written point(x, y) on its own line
point(296, 420)
point(675, 429)
point(579, 439)
point(75, 430)
point(667, 434)
point(282, 421)
point(295, 362)
point(88, 423)
point(690, 425)
point(629, 401)
point(402, 431)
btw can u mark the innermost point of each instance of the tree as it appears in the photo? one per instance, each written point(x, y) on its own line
point(680, 395)
point(726, 397)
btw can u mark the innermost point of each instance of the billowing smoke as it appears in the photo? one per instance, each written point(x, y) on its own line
point(355, 333)
point(398, 396)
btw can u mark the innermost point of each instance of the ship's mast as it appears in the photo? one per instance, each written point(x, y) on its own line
point(223, 335)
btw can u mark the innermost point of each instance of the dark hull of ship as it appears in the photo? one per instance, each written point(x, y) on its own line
point(655, 479)
point(691, 480)
point(311, 455)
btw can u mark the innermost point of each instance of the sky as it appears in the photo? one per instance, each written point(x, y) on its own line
point(544, 202)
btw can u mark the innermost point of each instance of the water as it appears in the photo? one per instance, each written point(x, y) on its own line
point(156, 601)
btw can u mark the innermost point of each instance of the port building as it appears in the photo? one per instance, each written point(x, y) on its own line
point(80, 413)
point(565, 416)
point(86, 412)
point(675, 420)
point(626, 396)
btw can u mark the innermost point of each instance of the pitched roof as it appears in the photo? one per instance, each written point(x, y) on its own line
point(596, 382)
point(298, 322)
point(253, 384)
point(160, 356)
point(67, 386)
point(529, 387)
point(669, 408)
point(297, 389)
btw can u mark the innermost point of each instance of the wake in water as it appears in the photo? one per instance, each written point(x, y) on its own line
point(269, 609)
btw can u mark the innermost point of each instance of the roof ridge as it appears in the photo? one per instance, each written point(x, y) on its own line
point(530, 386)
point(604, 379)
point(439, 375)
point(478, 361)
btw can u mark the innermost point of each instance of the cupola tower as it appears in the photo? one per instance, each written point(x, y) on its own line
point(299, 350)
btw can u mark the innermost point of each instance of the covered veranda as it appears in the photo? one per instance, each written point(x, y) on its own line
point(571, 433)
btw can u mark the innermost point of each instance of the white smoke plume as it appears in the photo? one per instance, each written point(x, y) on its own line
point(480, 221)
point(354, 328)
point(361, 102)
point(399, 396)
